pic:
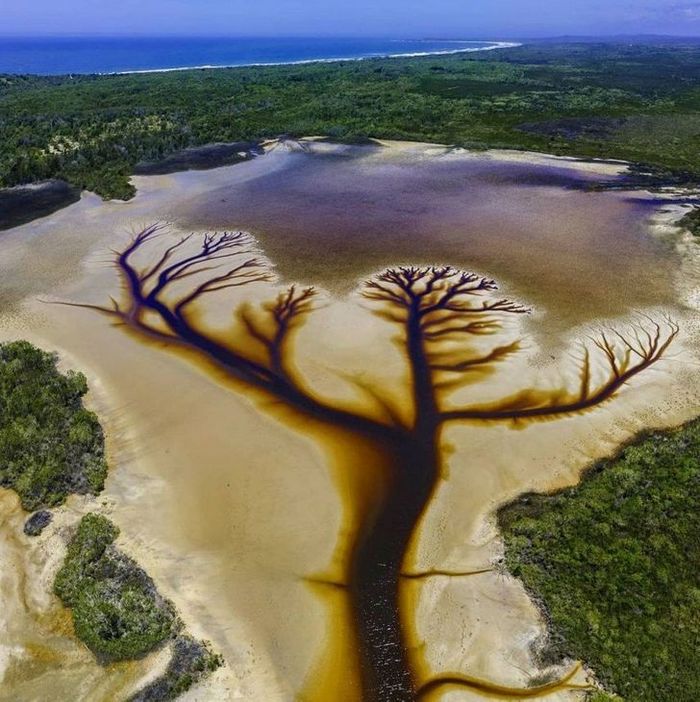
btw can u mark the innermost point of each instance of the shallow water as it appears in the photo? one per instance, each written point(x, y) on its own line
point(233, 508)
point(330, 219)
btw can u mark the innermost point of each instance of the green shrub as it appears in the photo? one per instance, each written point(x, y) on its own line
point(615, 563)
point(117, 611)
point(50, 445)
point(691, 221)
point(85, 552)
point(119, 621)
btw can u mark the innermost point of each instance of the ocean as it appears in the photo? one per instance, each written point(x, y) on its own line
point(58, 56)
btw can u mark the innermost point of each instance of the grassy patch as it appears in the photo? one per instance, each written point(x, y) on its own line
point(117, 611)
point(691, 222)
point(50, 445)
point(615, 563)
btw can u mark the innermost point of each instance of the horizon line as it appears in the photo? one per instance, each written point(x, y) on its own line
point(406, 37)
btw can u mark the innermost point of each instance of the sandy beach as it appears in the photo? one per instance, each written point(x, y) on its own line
point(243, 515)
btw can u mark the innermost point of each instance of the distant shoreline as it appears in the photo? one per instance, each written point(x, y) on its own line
point(109, 57)
point(301, 62)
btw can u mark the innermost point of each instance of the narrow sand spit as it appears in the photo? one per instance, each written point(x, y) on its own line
point(233, 512)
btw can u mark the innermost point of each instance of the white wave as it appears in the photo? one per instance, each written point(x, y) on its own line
point(365, 57)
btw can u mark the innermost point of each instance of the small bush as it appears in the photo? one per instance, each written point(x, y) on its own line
point(191, 662)
point(117, 611)
point(691, 221)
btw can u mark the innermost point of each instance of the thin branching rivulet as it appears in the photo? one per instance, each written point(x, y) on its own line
point(442, 313)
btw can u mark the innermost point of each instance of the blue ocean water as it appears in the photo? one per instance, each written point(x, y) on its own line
point(57, 56)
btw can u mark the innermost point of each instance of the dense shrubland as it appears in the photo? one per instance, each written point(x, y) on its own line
point(615, 563)
point(119, 614)
point(50, 445)
point(117, 611)
point(637, 102)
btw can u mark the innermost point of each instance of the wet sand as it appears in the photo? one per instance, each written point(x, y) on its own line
point(232, 511)
point(28, 202)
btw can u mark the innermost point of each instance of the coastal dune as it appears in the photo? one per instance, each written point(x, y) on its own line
point(244, 516)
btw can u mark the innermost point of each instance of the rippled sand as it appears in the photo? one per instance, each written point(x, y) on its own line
point(232, 511)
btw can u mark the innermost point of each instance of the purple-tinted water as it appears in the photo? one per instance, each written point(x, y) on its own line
point(328, 220)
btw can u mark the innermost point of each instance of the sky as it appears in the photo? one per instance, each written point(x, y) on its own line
point(456, 19)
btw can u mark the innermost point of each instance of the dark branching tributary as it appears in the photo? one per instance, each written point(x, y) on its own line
point(440, 312)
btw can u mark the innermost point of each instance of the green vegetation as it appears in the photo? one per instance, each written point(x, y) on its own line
point(691, 221)
point(639, 102)
point(50, 445)
point(615, 563)
point(119, 614)
point(117, 611)
point(191, 662)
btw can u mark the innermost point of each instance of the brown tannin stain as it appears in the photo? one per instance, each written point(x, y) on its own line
point(441, 314)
